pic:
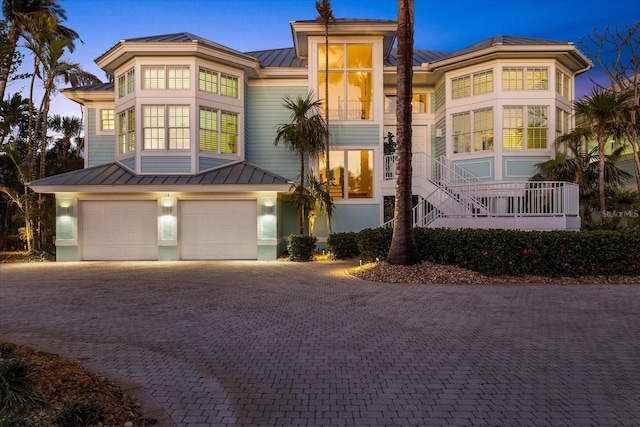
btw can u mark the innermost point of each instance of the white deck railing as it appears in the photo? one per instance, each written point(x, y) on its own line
point(459, 194)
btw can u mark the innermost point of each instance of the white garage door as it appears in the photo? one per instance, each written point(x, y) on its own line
point(119, 230)
point(218, 229)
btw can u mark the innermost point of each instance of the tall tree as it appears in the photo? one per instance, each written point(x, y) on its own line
point(21, 14)
point(305, 134)
point(600, 117)
point(617, 53)
point(403, 250)
point(325, 17)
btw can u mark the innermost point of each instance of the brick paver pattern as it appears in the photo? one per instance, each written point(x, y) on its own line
point(246, 343)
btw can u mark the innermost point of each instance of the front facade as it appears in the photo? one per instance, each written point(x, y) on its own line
point(179, 154)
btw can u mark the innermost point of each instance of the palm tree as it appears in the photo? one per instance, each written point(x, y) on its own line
point(69, 127)
point(305, 134)
point(403, 250)
point(322, 201)
point(13, 112)
point(325, 16)
point(21, 14)
point(600, 118)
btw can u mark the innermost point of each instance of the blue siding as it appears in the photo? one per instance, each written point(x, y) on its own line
point(438, 99)
point(264, 113)
point(355, 217)
point(520, 168)
point(165, 164)
point(355, 134)
point(439, 145)
point(480, 168)
point(209, 162)
point(129, 162)
point(100, 149)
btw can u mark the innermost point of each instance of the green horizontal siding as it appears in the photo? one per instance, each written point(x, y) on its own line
point(355, 217)
point(438, 98)
point(264, 113)
point(355, 134)
point(165, 164)
point(100, 149)
point(480, 168)
point(439, 145)
point(129, 162)
point(520, 168)
point(210, 162)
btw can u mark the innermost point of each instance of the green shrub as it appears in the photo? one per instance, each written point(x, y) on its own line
point(374, 243)
point(301, 247)
point(18, 385)
point(6, 350)
point(343, 245)
point(79, 413)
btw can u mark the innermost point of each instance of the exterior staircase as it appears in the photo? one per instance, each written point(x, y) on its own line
point(449, 196)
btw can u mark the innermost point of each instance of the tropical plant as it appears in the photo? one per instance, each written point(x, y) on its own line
point(21, 16)
point(617, 53)
point(403, 250)
point(322, 201)
point(18, 385)
point(325, 17)
point(305, 135)
point(600, 119)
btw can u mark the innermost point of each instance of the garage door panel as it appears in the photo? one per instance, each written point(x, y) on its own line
point(119, 230)
point(218, 229)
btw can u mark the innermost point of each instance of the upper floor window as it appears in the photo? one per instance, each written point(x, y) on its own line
point(165, 127)
point(127, 131)
point(563, 122)
point(518, 134)
point(107, 120)
point(473, 131)
point(212, 131)
point(521, 78)
point(126, 83)
point(350, 80)
point(483, 82)
point(351, 173)
point(563, 85)
point(476, 84)
point(460, 87)
point(418, 103)
point(214, 82)
point(169, 77)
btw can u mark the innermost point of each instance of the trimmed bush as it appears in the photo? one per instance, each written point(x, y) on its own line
point(301, 247)
point(343, 245)
point(374, 243)
point(516, 252)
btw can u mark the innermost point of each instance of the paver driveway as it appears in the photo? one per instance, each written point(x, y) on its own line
point(277, 343)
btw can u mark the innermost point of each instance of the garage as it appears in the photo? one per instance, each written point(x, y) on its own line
point(119, 230)
point(218, 229)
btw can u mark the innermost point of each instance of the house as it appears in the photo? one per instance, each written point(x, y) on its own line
point(180, 161)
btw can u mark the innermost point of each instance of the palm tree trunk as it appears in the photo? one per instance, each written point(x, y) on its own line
point(13, 37)
point(602, 139)
point(403, 250)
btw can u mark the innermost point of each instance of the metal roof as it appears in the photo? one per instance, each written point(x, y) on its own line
point(112, 174)
point(502, 40)
point(419, 57)
point(285, 57)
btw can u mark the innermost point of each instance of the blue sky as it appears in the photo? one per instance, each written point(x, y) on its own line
point(246, 25)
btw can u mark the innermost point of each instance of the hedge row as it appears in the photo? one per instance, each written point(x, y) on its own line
point(514, 252)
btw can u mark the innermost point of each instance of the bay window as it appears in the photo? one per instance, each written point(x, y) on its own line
point(127, 131)
point(165, 77)
point(226, 131)
point(525, 79)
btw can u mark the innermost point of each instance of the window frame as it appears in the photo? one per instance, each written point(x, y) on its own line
point(528, 132)
point(166, 78)
point(126, 83)
point(346, 69)
point(339, 190)
point(158, 131)
point(102, 129)
point(226, 134)
point(524, 79)
point(126, 137)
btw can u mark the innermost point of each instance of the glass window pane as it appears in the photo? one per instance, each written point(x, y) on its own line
point(208, 81)
point(208, 129)
point(360, 172)
point(359, 56)
point(336, 56)
point(359, 93)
